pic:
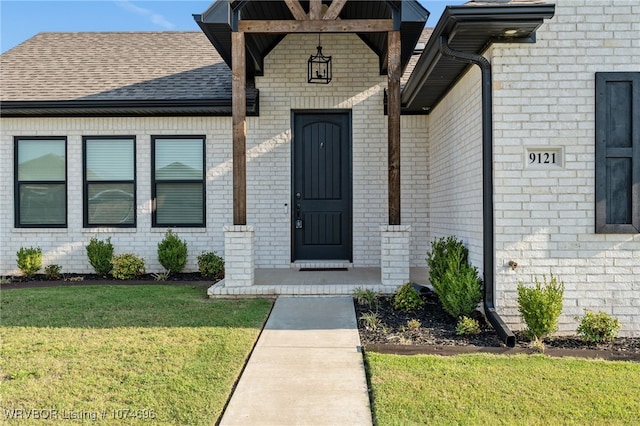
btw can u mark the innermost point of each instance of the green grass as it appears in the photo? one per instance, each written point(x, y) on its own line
point(160, 351)
point(512, 390)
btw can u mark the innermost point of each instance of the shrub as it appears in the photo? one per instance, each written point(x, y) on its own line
point(598, 327)
point(467, 326)
point(459, 290)
point(541, 306)
point(127, 266)
point(100, 254)
point(366, 297)
point(172, 252)
point(406, 298)
point(454, 280)
point(442, 251)
point(29, 260)
point(211, 265)
point(52, 272)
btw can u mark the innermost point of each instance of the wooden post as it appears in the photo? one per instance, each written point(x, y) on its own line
point(393, 116)
point(239, 120)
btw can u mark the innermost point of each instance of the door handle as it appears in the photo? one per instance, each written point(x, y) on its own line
point(298, 195)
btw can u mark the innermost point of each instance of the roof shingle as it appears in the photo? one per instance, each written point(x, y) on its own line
point(114, 66)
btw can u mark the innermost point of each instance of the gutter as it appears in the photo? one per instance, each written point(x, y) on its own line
point(488, 229)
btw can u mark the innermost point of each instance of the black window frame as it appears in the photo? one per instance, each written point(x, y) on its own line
point(18, 183)
point(86, 182)
point(154, 182)
point(604, 152)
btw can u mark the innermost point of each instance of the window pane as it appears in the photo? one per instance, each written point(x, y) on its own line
point(179, 203)
point(42, 204)
point(111, 204)
point(41, 160)
point(109, 159)
point(179, 159)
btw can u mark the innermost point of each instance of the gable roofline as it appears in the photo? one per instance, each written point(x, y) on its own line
point(218, 21)
point(470, 28)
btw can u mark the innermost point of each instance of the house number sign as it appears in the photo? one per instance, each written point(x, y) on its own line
point(544, 158)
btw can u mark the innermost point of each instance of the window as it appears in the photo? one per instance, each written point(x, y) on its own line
point(109, 181)
point(618, 152)
point(41, 182)
point(178, 181)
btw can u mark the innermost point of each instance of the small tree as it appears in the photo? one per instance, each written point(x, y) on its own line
point(172, 252)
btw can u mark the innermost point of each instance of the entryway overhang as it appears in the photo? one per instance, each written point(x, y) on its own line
point(221, 19)
point(468, 28)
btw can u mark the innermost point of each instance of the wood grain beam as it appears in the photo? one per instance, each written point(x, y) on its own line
point(317, 26)
point(239, 119)
point(393, 116)
point(296, 10)
point(315, 9)
point(334, 9)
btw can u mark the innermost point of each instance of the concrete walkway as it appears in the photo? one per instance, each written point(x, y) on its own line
point(306, 368)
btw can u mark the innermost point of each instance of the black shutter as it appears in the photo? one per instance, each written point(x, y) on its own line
point(617, 152)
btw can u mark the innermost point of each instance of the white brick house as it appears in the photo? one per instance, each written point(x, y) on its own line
point(75, 95)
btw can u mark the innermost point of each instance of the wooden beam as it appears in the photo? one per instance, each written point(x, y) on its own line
point(239, 119)
point(315, 9)
point(393, 116)
point(317, 26)
point(334, 9)
point(296, 10)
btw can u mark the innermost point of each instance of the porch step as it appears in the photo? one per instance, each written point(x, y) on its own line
point(219, 290)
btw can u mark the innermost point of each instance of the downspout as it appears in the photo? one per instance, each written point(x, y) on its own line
point(488, 230)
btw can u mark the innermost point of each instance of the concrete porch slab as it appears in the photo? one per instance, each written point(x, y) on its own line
point(293, 282)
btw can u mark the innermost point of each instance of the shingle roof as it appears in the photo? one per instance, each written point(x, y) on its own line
point(114, 66)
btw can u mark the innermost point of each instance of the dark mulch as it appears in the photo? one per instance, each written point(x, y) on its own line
point(437, 335)
point(40, 280)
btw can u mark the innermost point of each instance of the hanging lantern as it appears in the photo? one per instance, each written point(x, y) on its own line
point(319, 67)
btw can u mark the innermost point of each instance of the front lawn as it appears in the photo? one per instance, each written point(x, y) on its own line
point(123, 353)
point(488, 389)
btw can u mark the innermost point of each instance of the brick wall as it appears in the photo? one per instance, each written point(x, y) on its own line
point(66, 247)
point(544, 96)
point(357, 86)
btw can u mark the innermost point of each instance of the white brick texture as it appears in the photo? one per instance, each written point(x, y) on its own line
point(544, 96)
point(357, 86)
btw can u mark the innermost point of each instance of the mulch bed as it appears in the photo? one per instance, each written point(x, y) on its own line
point(40, 280)
point(437, 335)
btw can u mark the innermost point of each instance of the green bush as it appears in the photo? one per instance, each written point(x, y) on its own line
point(172, 252)
point(406, 298)
point(598, 327)
point(467, 326)
point(211, 265)
point(29, 260)
point(541, 306)
point(454, 280)
point(100, 253)
point(442, 251)
point(127, 266)
point(53, 272)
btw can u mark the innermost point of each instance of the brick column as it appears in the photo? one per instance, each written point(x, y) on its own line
point(239, 263)
point(394, 259)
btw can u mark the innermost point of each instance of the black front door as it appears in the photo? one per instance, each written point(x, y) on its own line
point(321, 219)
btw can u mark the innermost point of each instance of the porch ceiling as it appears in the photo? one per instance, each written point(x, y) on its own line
point(217, 23)
point(469, 28)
